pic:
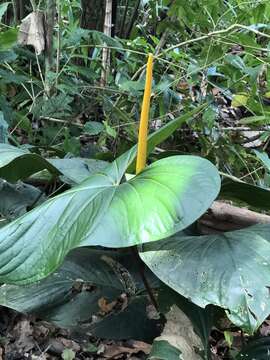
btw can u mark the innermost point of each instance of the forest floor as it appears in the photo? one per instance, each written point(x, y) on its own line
point(26, 337)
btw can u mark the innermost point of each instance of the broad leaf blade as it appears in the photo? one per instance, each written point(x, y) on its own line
point(3, 9)
point(16, 198)
point(76, 170)
point(256, 349)
point(118, 325)
point(163, 350)
point(70, 297)
point(230, 270)
point(17, 163)
point(255, 196)
point(165, 198)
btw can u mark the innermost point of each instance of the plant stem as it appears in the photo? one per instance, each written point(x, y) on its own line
point(215, 33)
point(15, 12)
point(123, 21)
point(34, 5)
point(58, 42)
point(106, 51)
point(50, 14)
point(144, 278)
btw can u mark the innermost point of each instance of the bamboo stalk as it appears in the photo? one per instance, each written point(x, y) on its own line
point(106, 51)
point(58, 52)
point(143, 130)
point(123, 21)
point(133, 18)
point(50, 14)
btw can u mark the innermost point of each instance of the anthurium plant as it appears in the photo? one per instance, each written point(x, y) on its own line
point(72, 238)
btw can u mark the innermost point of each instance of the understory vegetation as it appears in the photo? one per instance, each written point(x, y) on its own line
point(168, 262)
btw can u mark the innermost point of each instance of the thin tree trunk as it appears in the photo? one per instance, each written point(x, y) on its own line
point(58, 52)
point(106, 52)
point(15, 12)
point(114, 17)
point(133, 19)
point(123, 21)
point(50, 18)
point(92, 17)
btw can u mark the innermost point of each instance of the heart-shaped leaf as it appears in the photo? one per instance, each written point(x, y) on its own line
point(230, 270)
point(166, 197)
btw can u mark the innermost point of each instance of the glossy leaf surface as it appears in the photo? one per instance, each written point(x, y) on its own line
point(17, 163)
point(255, 196)
point(166, 197)
point(230, 270)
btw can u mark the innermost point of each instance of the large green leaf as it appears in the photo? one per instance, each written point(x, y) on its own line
point(70, 297)
point(166, 197)
point(17, 198)
point(230, 270)
point(3, 9)
point(76, 170)
point(130, 323)
point(163, 350)
point(255, 196)
point(17, 163)
point(256, 349)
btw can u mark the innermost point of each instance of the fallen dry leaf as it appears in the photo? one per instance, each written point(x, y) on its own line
point(23, 334)
point(106, 307)
point(265, 328)
point(115, 351)
point(31, 31)
point(70, 344)
point(179, 332)
point(141, 346)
